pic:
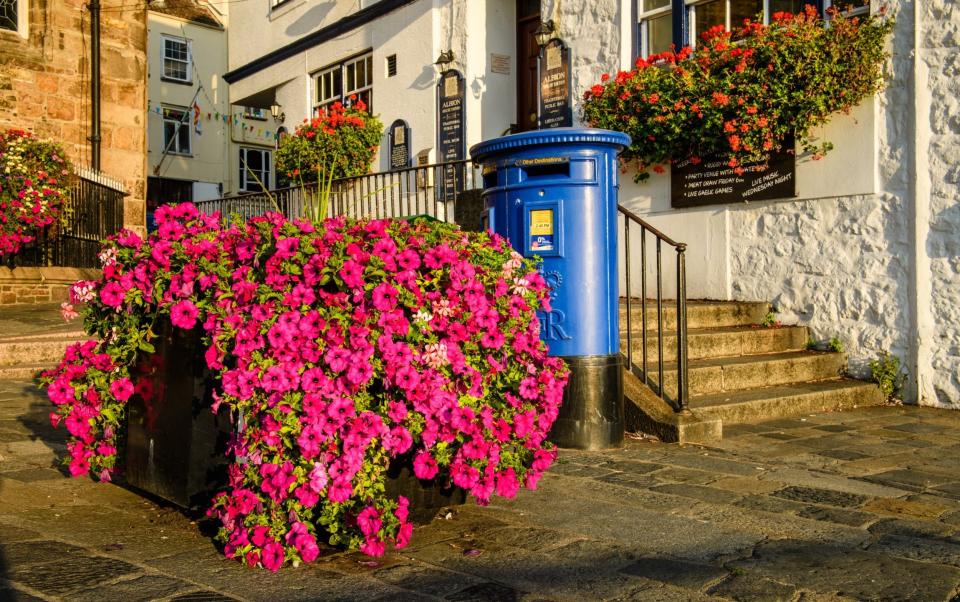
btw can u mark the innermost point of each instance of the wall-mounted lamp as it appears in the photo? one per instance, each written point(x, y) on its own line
point(277, 111)
point(544, 33)
point(444, 61)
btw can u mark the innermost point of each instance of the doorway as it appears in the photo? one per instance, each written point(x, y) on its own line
point(528, 55)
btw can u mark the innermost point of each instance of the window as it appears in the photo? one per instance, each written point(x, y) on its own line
point(352, 78)
point(275, 3)
point(176, 59)
point(656, 18)
point(176, 130)
point(13, 16)
point(656, 26)
point(254, 169)
point(254, 113)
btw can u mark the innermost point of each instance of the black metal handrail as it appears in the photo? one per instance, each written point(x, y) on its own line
point(430, 190)
point(681, 401)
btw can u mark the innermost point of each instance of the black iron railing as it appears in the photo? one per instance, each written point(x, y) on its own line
point(679, 398)
point(431, 190)
point(92, 211)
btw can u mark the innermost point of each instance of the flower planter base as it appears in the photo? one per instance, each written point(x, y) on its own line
point(175, 446)
point(426, 497)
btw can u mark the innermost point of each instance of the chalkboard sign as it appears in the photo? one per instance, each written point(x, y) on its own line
point(555, 106)
point(451, 139)
point(713, 181)
point(399, 145)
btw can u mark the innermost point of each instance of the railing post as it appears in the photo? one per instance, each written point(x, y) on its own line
point(683, 383)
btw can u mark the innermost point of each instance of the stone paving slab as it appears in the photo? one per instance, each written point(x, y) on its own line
point(856, 505)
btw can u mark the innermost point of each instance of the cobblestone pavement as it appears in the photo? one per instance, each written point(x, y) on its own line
point(856, 505)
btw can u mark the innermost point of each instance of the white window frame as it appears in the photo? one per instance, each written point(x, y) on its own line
point(23, 20)
point(247, 182)
point(177, 123)
point(324, 97)
point(644, 17)
point(188, 62)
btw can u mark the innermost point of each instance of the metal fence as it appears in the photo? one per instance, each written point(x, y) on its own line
point(92, 211)
point(430, 190)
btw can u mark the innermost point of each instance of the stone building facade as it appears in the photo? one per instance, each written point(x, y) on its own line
point(45, 86)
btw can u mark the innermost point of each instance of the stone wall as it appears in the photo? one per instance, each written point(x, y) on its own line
point(940, 53)
point(44, 87)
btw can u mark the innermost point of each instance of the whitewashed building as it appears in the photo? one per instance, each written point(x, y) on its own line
point(867, 250)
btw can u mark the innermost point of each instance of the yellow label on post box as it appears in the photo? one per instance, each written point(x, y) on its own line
point(541, 230)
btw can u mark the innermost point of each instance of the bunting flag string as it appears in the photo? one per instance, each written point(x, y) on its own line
point(201, 114)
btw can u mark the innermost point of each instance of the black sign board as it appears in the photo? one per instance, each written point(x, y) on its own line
point(399, 145)
point(555, 102)
point(713, 181)
point(451, 129)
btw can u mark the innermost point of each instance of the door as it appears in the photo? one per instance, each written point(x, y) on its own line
point(528, 55)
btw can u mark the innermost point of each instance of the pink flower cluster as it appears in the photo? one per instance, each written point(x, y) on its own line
point(31, 187)
point(342, 347)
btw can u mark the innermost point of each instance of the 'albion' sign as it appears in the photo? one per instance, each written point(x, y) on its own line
point(712, 181)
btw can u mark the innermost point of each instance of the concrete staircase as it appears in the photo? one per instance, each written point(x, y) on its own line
point(739, 371)
point(33, 338)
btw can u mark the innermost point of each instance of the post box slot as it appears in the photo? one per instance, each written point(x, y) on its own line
point(547, 170)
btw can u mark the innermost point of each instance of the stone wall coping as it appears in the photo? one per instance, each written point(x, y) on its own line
point(46, 275)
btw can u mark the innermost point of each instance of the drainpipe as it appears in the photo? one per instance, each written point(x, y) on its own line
point(95, 84)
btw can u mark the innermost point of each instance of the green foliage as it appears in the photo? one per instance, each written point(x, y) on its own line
point(885, 371)
point(339, 143)
point(835, 345)
point(770, 320)
point(742, 93)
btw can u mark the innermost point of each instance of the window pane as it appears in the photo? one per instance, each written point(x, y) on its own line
point(184, 138)
point(369, 71)
point(351, 76)
point(710, 15)
point(744, 9)
point(787, 6)
point(654, 4)
point(361, 73)
point(8, 14)
point(169, 128)
point(337, 83)
point(254, 161)
point(660, 34)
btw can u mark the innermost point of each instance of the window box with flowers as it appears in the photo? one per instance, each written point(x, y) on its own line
point(741, 94)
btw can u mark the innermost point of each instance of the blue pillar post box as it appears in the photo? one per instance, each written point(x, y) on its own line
point(553, 193)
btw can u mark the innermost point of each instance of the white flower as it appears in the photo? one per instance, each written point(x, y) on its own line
point(423, 316)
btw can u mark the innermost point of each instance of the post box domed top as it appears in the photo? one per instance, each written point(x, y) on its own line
point(575, 137)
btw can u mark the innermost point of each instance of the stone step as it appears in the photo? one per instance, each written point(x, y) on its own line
point(755, 405)
point(700, 314)
point(716, 375)
point(719, 342)
point(37, 349)
point(26, 371)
